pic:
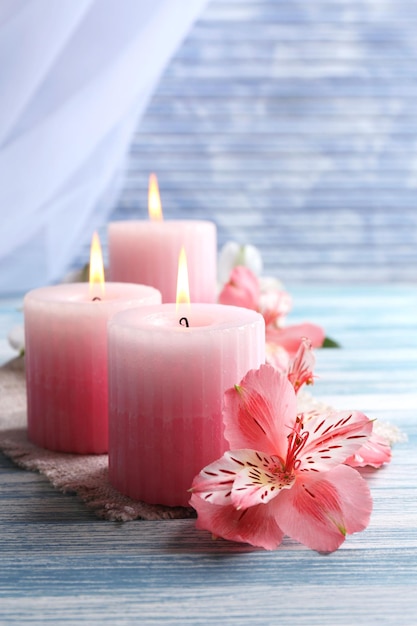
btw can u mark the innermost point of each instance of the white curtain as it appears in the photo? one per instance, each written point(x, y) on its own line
point(75, 76)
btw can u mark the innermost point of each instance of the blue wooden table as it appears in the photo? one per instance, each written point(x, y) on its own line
point(61, 565)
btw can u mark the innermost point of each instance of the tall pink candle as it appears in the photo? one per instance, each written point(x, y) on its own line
point(147, 252)
point(166, 386)
point(66, 362)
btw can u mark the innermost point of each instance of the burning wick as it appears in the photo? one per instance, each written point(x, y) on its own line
point(96, 298)
point(184, 319)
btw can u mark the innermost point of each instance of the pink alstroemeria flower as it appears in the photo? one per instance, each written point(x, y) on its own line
point(376, 450)
point(243, 289)
point(281, 477)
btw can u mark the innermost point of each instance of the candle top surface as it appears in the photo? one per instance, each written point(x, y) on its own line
point(81, 294)
point(161, 224)
point(197, 317)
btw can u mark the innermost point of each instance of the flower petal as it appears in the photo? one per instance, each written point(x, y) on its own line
point(320, 510)
point(375, 452)
point(243, 478)
point(301, 367)
point(16, 338)
point(332, 438)
point(242, 289)
point(232, 254)
point(214, 483)
point(259, 412)
point(256, 526)
point(274, 304)
point(290, 337)
point(260, 481)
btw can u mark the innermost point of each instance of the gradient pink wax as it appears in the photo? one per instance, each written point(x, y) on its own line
point(147, 252)
point(66, 362)
point(166, 386)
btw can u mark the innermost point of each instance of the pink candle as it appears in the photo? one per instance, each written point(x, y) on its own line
point(166, 386)
point(66, 362)
point(147, 252)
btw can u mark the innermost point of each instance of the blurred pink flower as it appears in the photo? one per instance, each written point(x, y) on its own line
point(290, 337)
point(244, 289)
point(283, 476)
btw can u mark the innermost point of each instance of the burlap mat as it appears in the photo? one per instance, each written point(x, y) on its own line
point(84, 475)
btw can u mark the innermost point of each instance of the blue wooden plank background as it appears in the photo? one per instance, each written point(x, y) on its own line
point(293, 126)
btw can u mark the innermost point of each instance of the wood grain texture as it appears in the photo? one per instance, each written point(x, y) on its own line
point(60, 565)
point(293, 126)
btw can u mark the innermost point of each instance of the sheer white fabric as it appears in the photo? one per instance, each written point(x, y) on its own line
point(75, 76)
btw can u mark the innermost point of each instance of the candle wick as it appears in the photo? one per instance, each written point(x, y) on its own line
point(184, 319)
point(96, 298)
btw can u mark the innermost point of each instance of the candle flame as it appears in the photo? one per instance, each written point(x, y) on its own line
point(154, 200)
point(96, 268)
point(183, 290)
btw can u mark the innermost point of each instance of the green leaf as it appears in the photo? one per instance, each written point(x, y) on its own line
point(330, 343)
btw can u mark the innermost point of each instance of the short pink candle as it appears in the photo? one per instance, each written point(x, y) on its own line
point(147, 252)
point(166, 387)
point(66, 362)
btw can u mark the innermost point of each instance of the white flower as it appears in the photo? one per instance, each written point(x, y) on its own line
point(16, 338)
point(233, 254)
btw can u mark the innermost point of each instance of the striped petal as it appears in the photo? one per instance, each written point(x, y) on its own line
point(258, 484)
point(260, 411)
point(243, 478)
point(214, 483)
point(301, 368)
point(320, 510)
point(256, 526)
point(332, 438)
